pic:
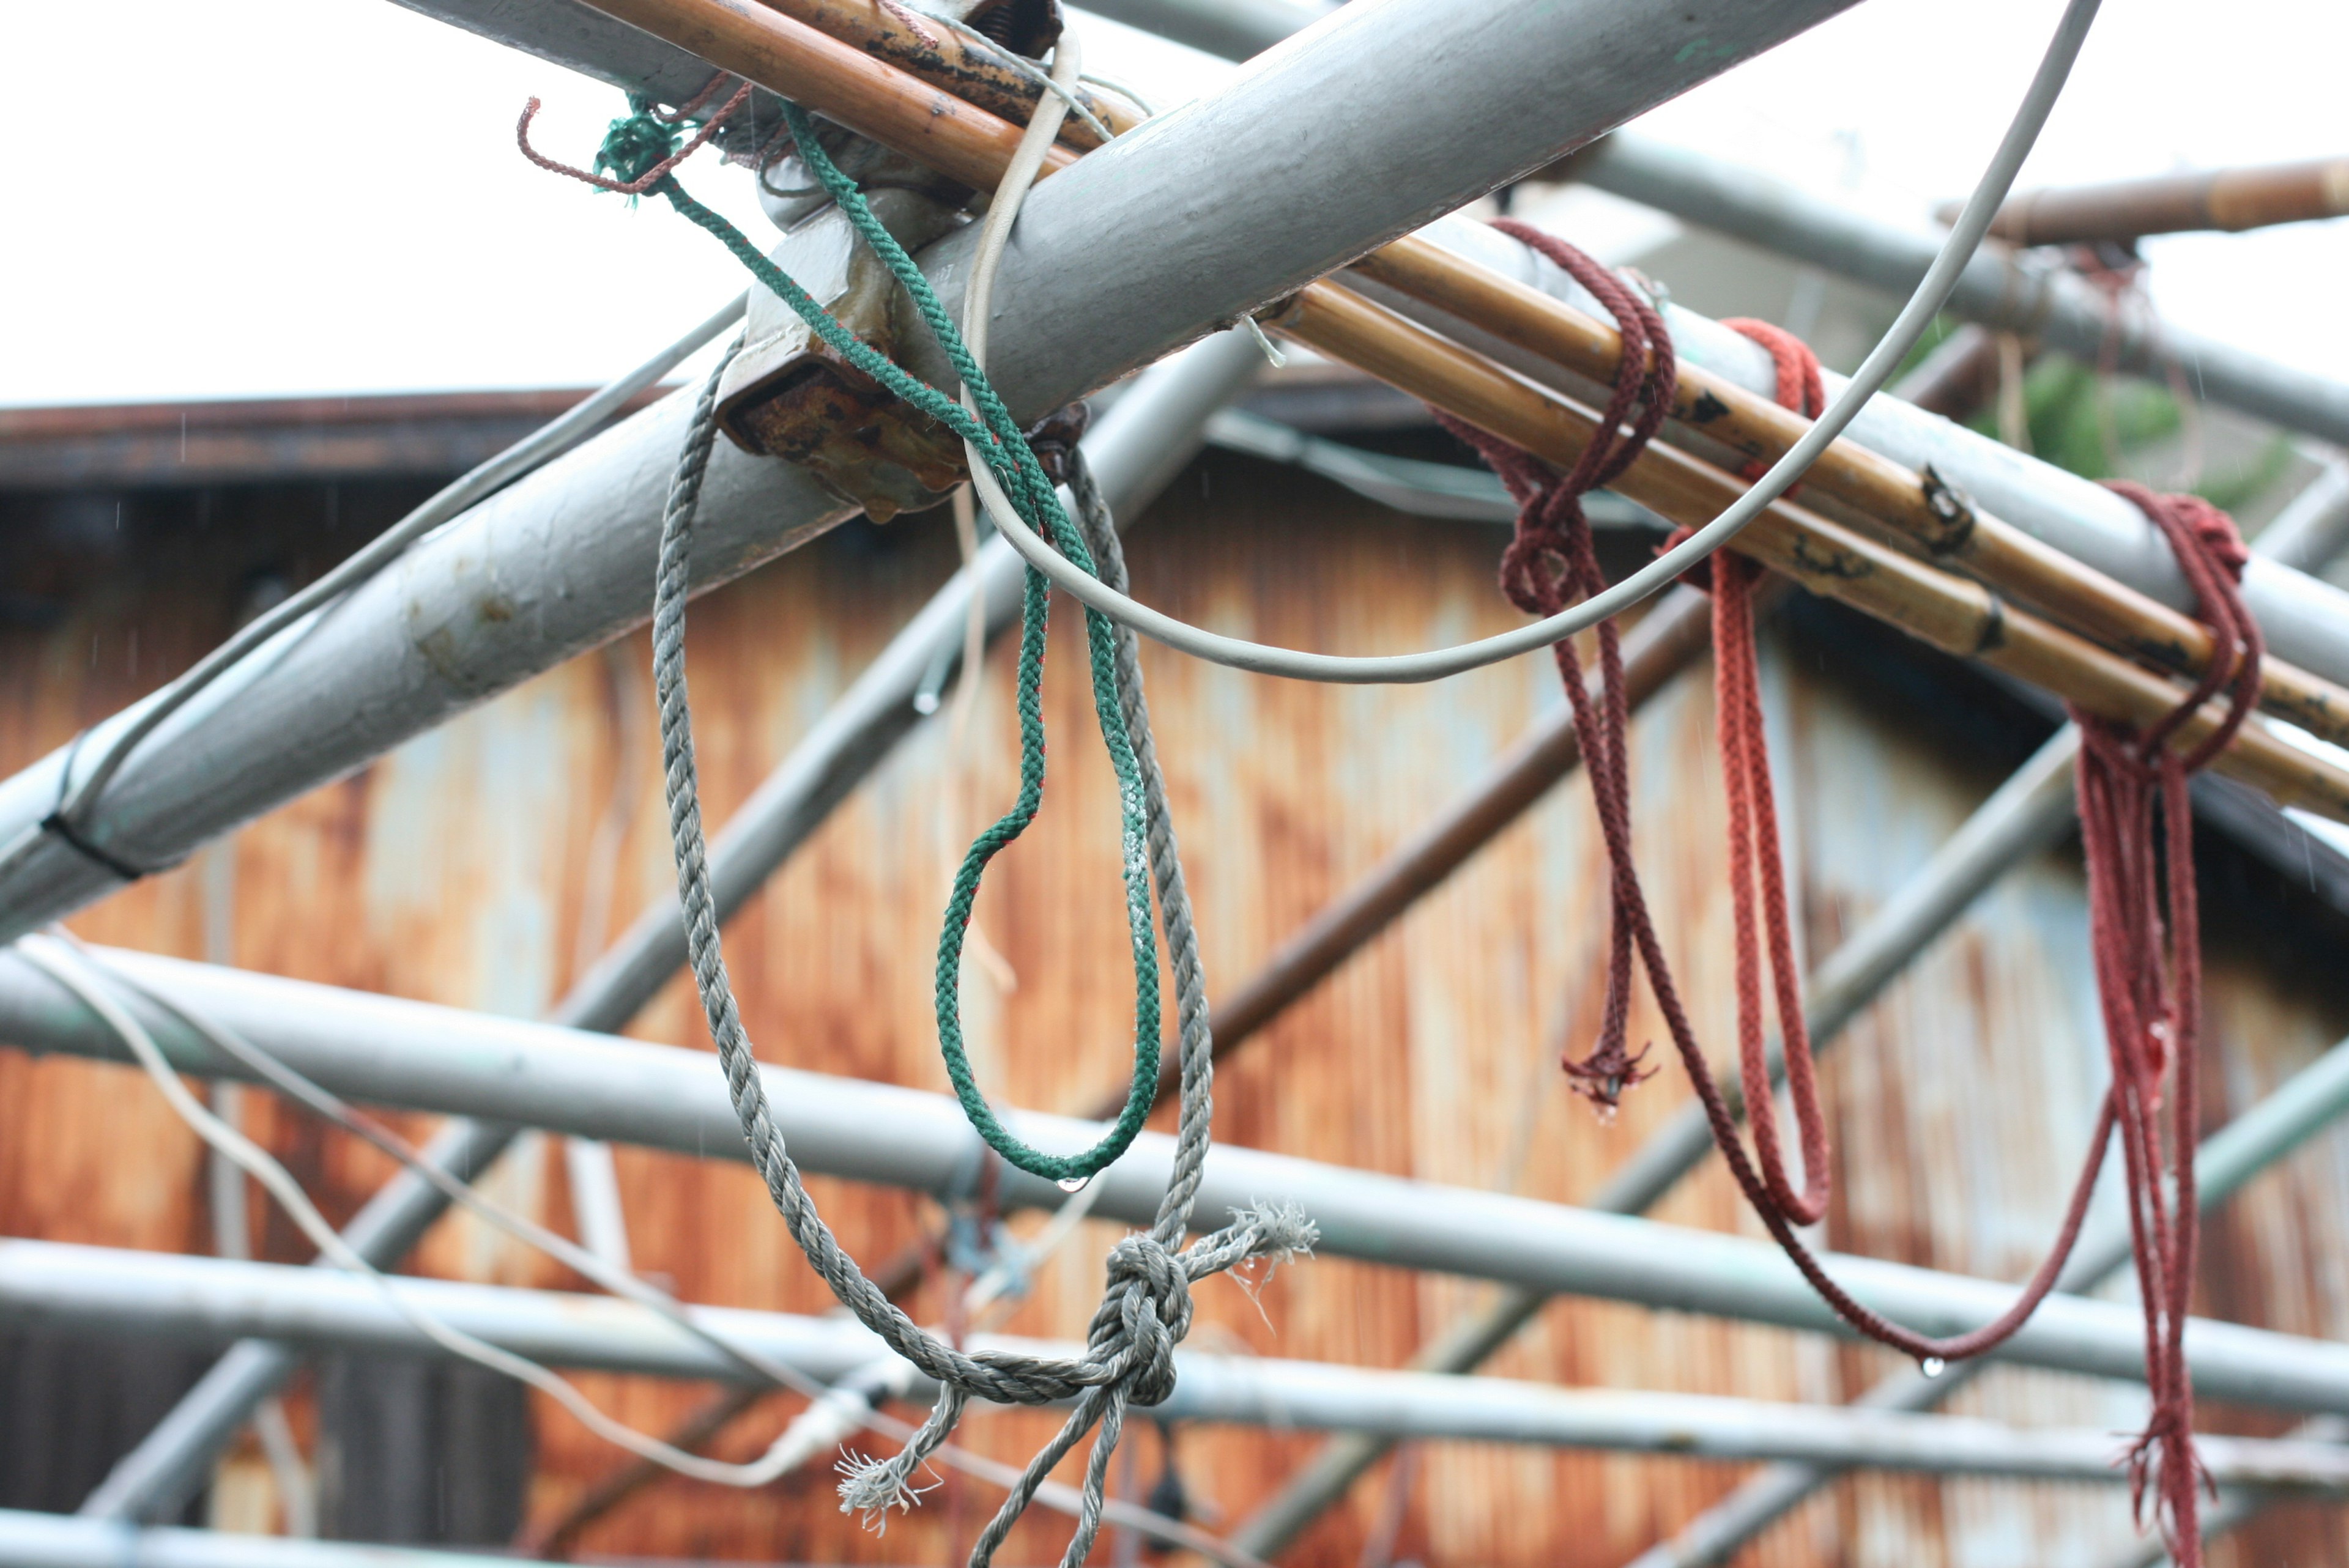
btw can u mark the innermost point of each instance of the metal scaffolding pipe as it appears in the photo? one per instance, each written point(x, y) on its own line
point(2236, 1507)
point(2023, 294)
point(58, 1540)
point(1136, 449)
point(1235, 29)
point(409, 1054)
point(168, 1296)
point(2307, 1103)
point(2313, 526)
point(1361, 133)
point(2305, 620)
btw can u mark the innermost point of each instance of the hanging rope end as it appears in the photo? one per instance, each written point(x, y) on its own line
point(872, 1487)
point(1282, 1232)
point(1601, 1077)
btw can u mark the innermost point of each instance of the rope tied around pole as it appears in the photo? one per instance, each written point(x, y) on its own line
point(1602, 728)
point(2148, 962)
point(1550, 561)
point(1754, 850)
point(1147, 1306)
point(641, 151)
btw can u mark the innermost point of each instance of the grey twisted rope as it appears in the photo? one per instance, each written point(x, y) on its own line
point(1145, 1308)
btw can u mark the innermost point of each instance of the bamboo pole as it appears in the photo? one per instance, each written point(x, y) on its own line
point(1910, 508)
point(1953, 614)
point(903, 112)
point(838, 80)
point(2227, 200)
point(954, 63)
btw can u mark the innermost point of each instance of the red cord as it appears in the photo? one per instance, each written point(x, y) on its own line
point(2149, 981)
point(2148, 958)
point(1551, 529)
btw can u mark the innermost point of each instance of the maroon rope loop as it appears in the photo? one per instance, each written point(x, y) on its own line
point(2144, 929)
point(1550, 523)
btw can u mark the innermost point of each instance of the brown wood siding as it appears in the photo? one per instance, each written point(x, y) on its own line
point(456, 871)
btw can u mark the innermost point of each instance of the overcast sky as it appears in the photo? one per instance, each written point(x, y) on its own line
point(262, 197)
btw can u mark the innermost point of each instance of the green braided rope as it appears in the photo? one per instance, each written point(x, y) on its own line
point(634, 145)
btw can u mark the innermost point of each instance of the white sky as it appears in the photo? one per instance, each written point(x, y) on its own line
point(269, 196)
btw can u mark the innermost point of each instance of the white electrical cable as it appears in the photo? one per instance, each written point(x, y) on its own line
point(91, 979)
point(1010, 60)
point(1932, 291)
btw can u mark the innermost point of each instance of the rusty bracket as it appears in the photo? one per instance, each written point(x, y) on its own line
point(787, 395)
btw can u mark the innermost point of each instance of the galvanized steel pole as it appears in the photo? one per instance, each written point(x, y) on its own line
point(2013, 293)
point(1235, 29)
point(1389, 115)
point(2306, 621)
point(385, 1051)
point(2309, 1102)
point(1136, 449)
point(163, 1296)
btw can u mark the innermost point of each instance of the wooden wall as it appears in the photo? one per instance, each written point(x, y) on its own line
point(463, 868)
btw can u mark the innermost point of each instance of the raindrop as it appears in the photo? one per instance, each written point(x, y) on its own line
point(1073, 1183)
point(1932, 1365)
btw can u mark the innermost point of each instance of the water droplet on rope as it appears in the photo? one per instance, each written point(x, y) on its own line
point(1932, 1365)
point(1073, 1183)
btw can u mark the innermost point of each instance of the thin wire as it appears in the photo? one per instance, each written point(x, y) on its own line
point(1098, 79)
point(1065, 91)
point(540, 447)
point(1932, 291)
point(91, 978)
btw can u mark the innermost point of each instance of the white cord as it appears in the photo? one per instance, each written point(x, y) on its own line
point(1065, 91)
point(1932, 291)
point(94, 981)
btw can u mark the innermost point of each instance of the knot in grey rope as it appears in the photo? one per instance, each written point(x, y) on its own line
point(1147, 1306)
point(1145, 1311)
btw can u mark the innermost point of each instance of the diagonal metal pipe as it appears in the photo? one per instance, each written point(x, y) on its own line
point(2306, 620)
point(2031, 813)
point(1387, 117)
point(2022, 292)
point(1136, 448)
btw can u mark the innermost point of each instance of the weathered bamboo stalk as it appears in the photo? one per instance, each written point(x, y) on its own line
point(838, 80)
point(1910, 507)
point(2228, 199)
point(1903, 502)
point(910, 116)
point(954, 63)
point(1952, 612)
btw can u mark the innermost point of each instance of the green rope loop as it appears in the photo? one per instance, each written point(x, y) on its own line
point(999, 437)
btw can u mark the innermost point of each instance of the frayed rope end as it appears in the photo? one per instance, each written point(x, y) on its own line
point(1283, 1233)
point(872, 1487)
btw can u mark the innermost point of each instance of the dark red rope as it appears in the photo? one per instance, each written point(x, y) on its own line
point(1551, 561)
point(1551, 558)
point(2149, 962)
